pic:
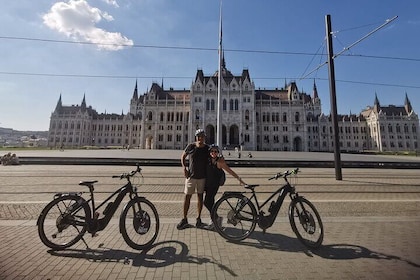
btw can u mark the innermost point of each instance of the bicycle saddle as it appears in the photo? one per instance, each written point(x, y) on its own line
point(87, 183)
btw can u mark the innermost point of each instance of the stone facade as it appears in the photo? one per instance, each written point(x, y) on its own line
point(280, 119)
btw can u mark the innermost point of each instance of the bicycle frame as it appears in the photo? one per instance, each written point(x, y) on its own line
point(236, 214)
point(75, 215)
point(95, 224)
point(266, 221)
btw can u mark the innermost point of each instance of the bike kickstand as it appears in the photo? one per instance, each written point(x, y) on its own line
point(87, 246)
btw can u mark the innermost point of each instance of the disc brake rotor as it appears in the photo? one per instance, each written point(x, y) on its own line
point(62, 222)
point(141, 222)
point(307, 221)
point(231, 218)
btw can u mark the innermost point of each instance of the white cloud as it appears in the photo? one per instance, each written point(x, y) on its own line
point(112, 3)
point(77, 19)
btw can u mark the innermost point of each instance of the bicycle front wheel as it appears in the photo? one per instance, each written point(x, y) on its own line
point(234, 217)
point(62, 222)
point(139, 223)
point(306, 222)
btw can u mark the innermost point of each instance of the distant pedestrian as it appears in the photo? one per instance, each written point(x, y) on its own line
point(5, 160)
point(14, 160)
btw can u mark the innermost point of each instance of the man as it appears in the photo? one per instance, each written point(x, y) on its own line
point(195, 175)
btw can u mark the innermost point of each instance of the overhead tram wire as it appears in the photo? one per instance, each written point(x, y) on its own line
point(92, 76)
point(197, 48)
point(384, 57)
point(189, 77)
point(320, 48)
point(152, 46)
point(201, 49)
point(388, 21)
point(358, 27)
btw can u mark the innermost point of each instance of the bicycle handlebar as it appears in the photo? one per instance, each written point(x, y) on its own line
point(128, 175)
point(285, 174)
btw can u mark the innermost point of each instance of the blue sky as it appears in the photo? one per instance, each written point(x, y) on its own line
point(48, 48)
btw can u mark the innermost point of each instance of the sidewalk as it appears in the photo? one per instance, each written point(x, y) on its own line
point(371, 223)
point(351, 250)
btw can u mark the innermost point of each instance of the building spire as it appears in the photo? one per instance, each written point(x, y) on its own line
point(135, 94)
point(315, 91)
point(377, 106)
point(83, 106)
point(223, 60)
point(59, 105)
point(407, 104)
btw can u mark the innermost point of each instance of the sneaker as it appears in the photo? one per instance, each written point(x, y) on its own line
point(182, 224)
point(210, 227)
point(199, 224)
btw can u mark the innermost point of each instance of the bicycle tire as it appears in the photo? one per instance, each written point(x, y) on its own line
point(306, 222)
point(139, 223)
point(234, 217)
point(59, 225)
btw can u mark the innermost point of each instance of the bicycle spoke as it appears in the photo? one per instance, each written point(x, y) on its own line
point(238, 217)
point(306, 223)
point(59, 229)
point(140, 226)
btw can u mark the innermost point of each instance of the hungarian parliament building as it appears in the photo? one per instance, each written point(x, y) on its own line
point(278, 119)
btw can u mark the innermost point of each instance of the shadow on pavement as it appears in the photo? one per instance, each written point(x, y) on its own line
point(349, 251)
point(381, 183)
point(159, 255)
point(273, 241)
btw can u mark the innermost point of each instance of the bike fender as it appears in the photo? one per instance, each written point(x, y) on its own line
point(57, 195)
point(295, 200)
point(226, 193)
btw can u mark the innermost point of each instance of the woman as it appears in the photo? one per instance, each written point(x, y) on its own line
point(216, 165)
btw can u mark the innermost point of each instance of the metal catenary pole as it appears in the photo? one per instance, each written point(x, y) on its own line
point(331, 74)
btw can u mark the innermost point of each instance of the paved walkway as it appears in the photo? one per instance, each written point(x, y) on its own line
point(175, 154)
point(371, 222)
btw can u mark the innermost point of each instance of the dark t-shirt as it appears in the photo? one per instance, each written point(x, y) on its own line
point(213, 175)
point(198, 159)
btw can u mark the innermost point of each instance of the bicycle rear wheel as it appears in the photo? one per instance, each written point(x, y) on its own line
point(306, 222)
point(139, 223)
point(62, 222)
point(234, 216)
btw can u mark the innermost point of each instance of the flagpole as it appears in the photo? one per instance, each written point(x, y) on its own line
point(219, 84)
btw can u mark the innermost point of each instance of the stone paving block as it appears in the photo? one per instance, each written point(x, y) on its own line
point(366, 240)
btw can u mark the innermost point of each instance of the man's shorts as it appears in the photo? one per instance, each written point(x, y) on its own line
point(191, 185)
